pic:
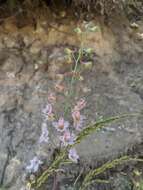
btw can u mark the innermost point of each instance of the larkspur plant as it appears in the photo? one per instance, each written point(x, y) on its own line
point(69, 127)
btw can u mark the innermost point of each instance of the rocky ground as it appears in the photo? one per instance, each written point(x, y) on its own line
point(32, 61)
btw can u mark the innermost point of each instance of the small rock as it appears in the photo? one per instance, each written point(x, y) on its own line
point(122, 183)
point(10, 42)
point(59, 78)
point(27, 40)
point(86, 90)
point(36, 67)
point(63, 14)
point(140, 36)
point(12, 64)
point(36, 47)
point(12, 171)
point(10, 75)
point(134, 25)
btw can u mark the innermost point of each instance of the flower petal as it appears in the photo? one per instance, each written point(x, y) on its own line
point(73, 156)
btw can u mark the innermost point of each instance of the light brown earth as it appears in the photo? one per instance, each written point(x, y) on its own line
point(30, 63)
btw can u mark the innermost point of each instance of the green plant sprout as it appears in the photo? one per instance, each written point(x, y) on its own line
point(77, 56)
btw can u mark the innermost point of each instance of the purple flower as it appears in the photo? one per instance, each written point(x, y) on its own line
point(61, 125)
point(78, 119)
point(67, 138)
point(34, 165)
point(73, 156)
point(48, 112)
point(45, 134)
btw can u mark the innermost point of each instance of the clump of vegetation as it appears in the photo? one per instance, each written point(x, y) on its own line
point(69, 128)
point(102, 7)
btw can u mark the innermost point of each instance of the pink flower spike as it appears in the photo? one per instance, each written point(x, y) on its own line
point(78, 119)
point(80, 104)
point(48, 112)
point(61, 125)
point(67, 138)
point(73, 156)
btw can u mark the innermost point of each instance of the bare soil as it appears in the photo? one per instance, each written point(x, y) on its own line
point(31, 62)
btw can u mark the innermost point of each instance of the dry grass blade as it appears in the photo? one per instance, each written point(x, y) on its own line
point(100, 124)
point(88, 180)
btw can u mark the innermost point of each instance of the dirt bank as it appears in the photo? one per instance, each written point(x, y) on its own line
point(31, 60)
